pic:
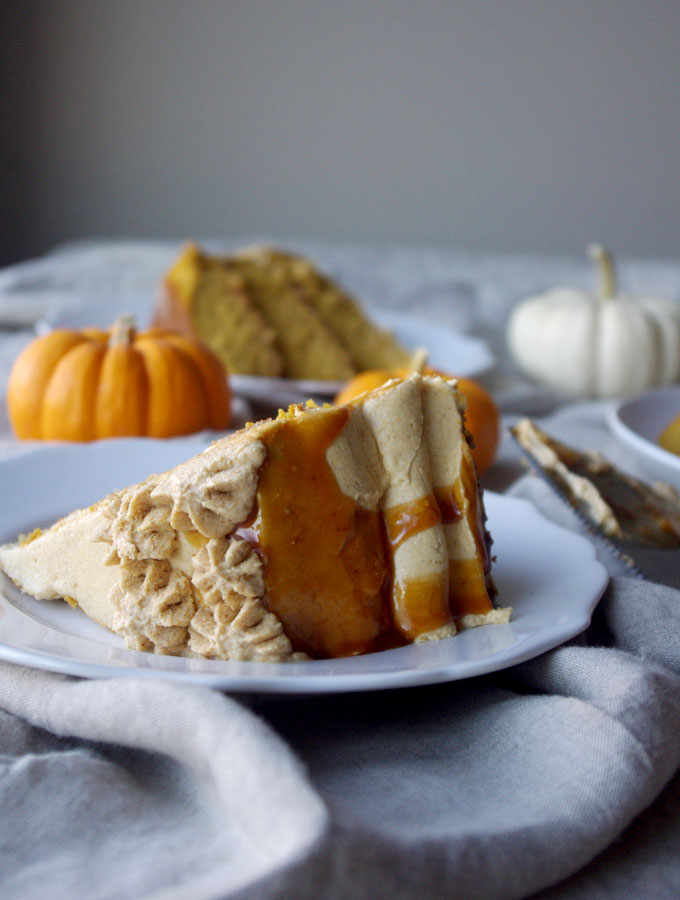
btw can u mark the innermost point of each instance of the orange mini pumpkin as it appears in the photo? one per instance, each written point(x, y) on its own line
point(89, 384)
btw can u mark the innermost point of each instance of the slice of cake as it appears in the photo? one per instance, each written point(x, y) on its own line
point(265, 312)
point(199, 296)
point(309, 347)
point(326, 532)
point(368, 346)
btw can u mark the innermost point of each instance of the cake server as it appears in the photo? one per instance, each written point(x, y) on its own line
point(639, 524)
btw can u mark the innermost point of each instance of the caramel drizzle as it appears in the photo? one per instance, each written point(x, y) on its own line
point(341, 597)
point(329, 595)
point(468, 590)
point(448, 503)
point(419, 605)
point(425, 604)
point(407, 519)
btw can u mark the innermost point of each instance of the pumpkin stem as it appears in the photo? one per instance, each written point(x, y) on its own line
point(605, 262)
point(123, 330)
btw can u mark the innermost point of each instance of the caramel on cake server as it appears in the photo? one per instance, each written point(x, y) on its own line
point(638, 523)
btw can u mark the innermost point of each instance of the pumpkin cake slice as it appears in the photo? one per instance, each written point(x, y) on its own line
point(309, 347)
point(368, 346)
point(201, 298)
point(266, 312)
point(325, 532)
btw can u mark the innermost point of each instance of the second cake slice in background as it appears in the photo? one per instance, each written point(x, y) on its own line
point(266, 312)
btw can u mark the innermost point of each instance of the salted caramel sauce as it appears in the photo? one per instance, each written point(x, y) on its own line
point(468, 591)
point(468, 594)
point(448, 504)
point(475, 515)
point(406, 519)
point(329, 594)
point(341, 599)
point(419, 605)
point(424, 604)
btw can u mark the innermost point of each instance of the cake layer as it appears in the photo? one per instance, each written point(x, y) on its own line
point(199, 297)
point(309, 348)
point(368, 346)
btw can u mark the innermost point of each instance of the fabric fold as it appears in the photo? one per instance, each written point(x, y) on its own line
point(499, 786)
point(251, 807)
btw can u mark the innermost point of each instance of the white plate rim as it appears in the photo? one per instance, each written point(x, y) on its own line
point(412, 666)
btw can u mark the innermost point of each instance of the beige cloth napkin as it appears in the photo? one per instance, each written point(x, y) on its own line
point(491, 788)
point(123, 788)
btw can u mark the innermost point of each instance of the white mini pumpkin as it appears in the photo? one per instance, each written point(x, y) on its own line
point(597, 345)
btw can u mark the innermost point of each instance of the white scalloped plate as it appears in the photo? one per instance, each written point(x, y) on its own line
point(548, 575)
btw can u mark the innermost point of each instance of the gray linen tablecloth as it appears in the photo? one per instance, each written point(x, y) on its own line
point(555, 778)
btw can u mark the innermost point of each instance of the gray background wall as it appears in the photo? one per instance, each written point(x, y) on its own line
point(505, 125)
